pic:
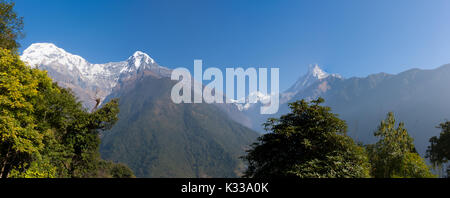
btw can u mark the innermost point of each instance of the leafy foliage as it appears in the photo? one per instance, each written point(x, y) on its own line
point(439, 150)
point(308, 142)
point(394, 155)
point(11, 26)
point(44, 130)
point(18, 91)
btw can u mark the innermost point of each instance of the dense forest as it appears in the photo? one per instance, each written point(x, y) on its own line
point(45, 132)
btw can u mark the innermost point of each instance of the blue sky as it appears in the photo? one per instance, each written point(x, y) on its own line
point(349, 37)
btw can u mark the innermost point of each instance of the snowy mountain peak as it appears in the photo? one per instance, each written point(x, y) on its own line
point(251, 99)
point(48, 53)
point(139, 58)
point(140, 54)
point(316, 71)
point(92, 80)
point(315, 74)
point(43, 47)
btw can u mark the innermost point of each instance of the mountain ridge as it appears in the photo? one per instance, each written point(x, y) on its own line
point(89, 81)
point(158, 138)
point(153, 136)
point(418, 97)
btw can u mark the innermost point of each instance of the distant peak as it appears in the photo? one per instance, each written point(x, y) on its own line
point(43, 48)
point(50, 45)
point(140, 57)
point(49, 53)
point(139, 53)
point(317, 72)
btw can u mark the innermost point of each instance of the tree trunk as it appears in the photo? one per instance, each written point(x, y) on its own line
point(5, 172)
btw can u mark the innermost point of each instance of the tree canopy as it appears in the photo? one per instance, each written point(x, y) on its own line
point(394, 155)
point(439, 150)
point(44, 130)
point(11, 26)
point(308, 142)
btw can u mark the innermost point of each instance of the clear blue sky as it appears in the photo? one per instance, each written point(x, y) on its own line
point(350, 37)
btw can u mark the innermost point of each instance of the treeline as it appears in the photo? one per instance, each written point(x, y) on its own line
point(44, 130)
point(311, 142)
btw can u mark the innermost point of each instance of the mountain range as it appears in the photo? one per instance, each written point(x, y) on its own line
point(88, 80)
point(158, 138)
point(419, 98)
point(154, 137)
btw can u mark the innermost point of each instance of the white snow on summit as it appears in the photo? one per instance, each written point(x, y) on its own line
point(70, 69)
point(47, 53)
point(315, 73)
point(253, 98)
point(139, 58)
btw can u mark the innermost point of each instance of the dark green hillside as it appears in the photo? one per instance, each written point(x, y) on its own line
point(157, 138)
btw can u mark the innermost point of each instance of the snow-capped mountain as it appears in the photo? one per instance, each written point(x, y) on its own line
point(314, 83)
point(315, 74)
point(88, 80)
point(244, 103)
point(419, 98)
point(91, 81)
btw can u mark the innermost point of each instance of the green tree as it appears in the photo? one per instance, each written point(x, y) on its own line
point(11, 26)
point(44, 130)
point(19, 87)
point(394, 155)
point(439, 150)
point(308, 142)
point(115, 170)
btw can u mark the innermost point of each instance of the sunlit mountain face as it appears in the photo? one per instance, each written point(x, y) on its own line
point(154, 136)
point(88, 80)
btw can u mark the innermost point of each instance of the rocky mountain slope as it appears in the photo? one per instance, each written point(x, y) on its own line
point(154, 136)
